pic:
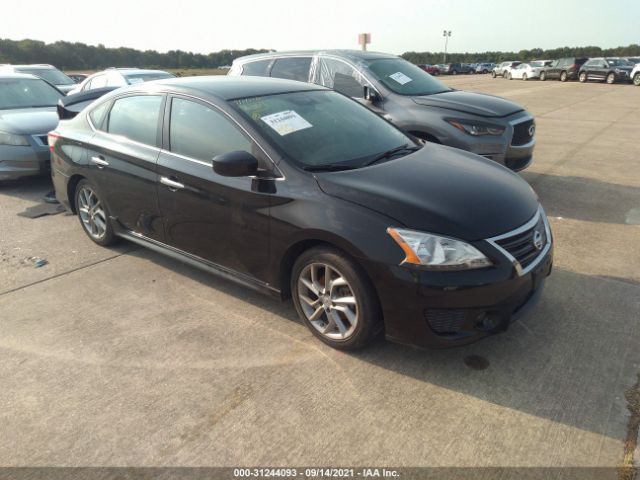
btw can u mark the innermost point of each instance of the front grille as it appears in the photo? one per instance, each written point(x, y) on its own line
point(526, 246)
point(445, 322)
point(521, 135)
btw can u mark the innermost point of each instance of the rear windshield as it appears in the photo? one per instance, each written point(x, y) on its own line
point(51, 75)
point(310, 128)
point(404, 77)
point(27, 93)
point(133, 78)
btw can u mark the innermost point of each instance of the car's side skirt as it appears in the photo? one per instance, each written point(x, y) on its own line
point(200, 263)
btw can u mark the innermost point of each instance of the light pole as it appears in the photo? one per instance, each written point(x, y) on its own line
point(446, 34)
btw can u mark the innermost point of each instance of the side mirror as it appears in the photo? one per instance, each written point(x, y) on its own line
point(235, 164)
point(370, 94)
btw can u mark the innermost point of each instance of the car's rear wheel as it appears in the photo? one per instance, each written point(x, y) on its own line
point(563, 77)
point(524, 77)
point(611, 78)
point(455, 72)
point(493, 74)
point(543, 76)
point(93, 214)
point(582, 77)
point(509, 76)
point(335, 299)
point(636, 79)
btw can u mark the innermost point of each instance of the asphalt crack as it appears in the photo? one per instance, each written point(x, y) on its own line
point(627, 471)
point(67, 272)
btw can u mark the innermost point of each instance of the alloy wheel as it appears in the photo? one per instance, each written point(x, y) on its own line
point(563, 77)
point(92, 214)
point(611, 78)
point(636, 80)
point(543, 76)
point(328, 301)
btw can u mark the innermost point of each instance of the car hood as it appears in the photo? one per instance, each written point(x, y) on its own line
point(26, 121)
point(439, 190)
point(469, 102)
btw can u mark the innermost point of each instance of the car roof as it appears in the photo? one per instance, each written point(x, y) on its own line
point(35, 66)
point(354, 55)
point(19, 75)
point(228, 87)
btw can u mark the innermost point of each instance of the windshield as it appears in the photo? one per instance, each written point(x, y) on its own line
point(404, 78)
point(27, 93)
point(51, 75)
point(133, 78)
point(319, 128)
point(618, 62)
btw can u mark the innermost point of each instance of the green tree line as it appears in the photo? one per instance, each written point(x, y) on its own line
point(523, 55)
point(79, 56)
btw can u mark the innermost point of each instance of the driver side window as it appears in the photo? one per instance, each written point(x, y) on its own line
point(201, 132)
point(341, 77)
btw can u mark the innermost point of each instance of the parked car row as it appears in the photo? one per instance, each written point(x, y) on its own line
point(332, 166)
point(604, 69)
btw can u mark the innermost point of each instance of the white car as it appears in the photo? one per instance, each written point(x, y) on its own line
point(119, 77)
point(635, 75)
point(524, 71)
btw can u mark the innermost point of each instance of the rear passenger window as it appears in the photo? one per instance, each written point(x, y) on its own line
point(258, 68)
point(200, 132)
point(97, 114)
point(136, 118)
point(98, 82)
point(292, 69)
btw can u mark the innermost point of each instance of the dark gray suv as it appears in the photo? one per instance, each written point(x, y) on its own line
point(410, 98)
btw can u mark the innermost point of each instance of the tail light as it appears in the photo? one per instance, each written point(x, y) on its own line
point(52, 138)
point(574, 66)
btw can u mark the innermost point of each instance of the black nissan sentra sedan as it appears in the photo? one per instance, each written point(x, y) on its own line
point(299, 191)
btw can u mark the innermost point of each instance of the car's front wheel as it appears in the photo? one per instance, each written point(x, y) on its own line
point(335, 299)
point(563, 77)
point(524, 77)
point(636, 79)
point(493, 74)
point(582, 77)
point(611, 78)
point(93, 214)
point(543, 76)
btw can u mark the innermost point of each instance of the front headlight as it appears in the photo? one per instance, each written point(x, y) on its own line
point(436, 252)
point(7, 138)
point(476, 129)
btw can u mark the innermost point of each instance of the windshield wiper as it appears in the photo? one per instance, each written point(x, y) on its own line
point(390, 153)
point(329, 167)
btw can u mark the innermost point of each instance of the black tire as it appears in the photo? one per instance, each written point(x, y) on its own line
point(108, 236)
point(509, 76)
point(636, 79)
point(543, 76)
point(369, 315)
point(563, 76)
point(611, 78)
point(582, 77)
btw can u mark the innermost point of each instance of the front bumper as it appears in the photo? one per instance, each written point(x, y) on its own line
point(23, 161)
point(446, 309)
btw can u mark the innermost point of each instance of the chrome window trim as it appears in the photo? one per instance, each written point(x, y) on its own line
point(527, 226)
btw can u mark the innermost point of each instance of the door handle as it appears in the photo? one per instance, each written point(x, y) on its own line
point(100, 162)
point(172, 184)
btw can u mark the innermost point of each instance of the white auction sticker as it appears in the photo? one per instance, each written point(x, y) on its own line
point(401, 78)
point(286, 122)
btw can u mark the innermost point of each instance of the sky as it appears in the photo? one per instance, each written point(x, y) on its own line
point(396, 26)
